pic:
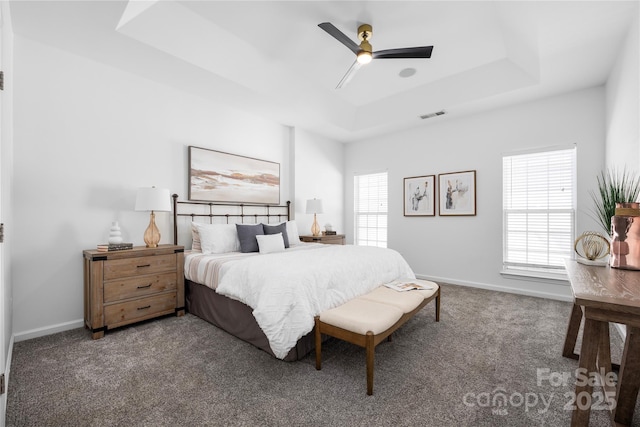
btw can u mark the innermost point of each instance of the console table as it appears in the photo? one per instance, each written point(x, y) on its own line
point(602, 295)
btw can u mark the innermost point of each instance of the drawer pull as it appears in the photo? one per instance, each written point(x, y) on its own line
point(145, 287)
point(144, 308)
point(145, 265)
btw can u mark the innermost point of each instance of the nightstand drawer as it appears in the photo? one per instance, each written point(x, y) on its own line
point(125, 268)
point(139, 286)
point(140, 309)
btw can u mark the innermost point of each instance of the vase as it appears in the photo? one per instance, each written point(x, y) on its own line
point(115, 235)
point(625, 238)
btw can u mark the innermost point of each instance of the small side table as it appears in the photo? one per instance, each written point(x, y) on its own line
point(333, 239)
point(123, 287)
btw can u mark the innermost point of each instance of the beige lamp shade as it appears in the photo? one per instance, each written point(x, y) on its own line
point(314, 206)
point(153, 199)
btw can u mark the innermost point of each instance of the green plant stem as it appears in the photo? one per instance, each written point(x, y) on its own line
point(613, 187)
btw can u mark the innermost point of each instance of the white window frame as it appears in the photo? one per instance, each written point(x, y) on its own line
point(374, 210)
point(553, 269)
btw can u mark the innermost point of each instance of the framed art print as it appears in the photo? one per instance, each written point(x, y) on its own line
point(215, 176)
point(419, 196)
point(457, 193)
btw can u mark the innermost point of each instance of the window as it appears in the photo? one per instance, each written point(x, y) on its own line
point(370, 209)
point(539, 191)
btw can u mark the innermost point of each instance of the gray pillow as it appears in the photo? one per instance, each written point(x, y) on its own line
point(247, 235)
point(275, 229)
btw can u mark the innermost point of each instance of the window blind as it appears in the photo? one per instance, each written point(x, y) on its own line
point(370, 209)
point(539, 193)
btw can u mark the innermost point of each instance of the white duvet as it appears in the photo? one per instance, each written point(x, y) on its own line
point(287, 289)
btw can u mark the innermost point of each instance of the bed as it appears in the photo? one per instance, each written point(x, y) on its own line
point(269, 297)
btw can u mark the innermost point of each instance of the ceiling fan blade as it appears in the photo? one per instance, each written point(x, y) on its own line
point(409, 52)
point(350, 73)
point(340, 36)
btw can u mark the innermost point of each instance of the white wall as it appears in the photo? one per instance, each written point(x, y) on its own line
point(623, 105)
point(468, 250)
point(6, 202)
point(86, 137)
point(319, 174)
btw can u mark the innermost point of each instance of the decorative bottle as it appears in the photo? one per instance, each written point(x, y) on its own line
point(625, 241)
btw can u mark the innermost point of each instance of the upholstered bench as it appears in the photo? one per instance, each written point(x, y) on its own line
point(371, 318)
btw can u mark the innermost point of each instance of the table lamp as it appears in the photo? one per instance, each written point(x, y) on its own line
point(155, 200)
point(314, 206)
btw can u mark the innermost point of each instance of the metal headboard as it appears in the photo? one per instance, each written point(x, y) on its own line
point(230, 212)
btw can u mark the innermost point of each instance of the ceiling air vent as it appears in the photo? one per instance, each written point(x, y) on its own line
point(428, 116)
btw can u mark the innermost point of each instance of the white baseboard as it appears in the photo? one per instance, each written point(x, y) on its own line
point(48, 330)
point(549, 295)
point(622, 329)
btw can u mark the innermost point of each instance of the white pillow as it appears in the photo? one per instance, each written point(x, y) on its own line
point(195, 237)
point(218, 238)
point(292, 233)
point(268, 243)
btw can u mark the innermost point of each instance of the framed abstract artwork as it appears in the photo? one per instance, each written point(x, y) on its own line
point(419, 195)
point(457, 193)
point(215, 176)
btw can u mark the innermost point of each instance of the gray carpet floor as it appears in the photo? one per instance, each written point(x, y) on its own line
point(184, 371)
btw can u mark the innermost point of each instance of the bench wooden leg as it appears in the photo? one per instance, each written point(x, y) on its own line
point(370, 349)
point(318, 344)
point(438, 307)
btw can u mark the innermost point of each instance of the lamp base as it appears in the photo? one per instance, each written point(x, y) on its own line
point(315, 228)
point(152, 234)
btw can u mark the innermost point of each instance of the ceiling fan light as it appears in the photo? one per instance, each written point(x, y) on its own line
point(364, 57)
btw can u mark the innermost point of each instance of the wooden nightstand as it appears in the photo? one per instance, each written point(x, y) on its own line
point(123, 287)
point(335, 239)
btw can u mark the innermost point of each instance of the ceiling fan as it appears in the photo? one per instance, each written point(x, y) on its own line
point(364, 52)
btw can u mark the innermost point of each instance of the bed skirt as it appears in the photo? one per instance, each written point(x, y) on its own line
point(237, 319)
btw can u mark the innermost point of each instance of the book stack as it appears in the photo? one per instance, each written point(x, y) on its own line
point(330, 233)
point(107, 247)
